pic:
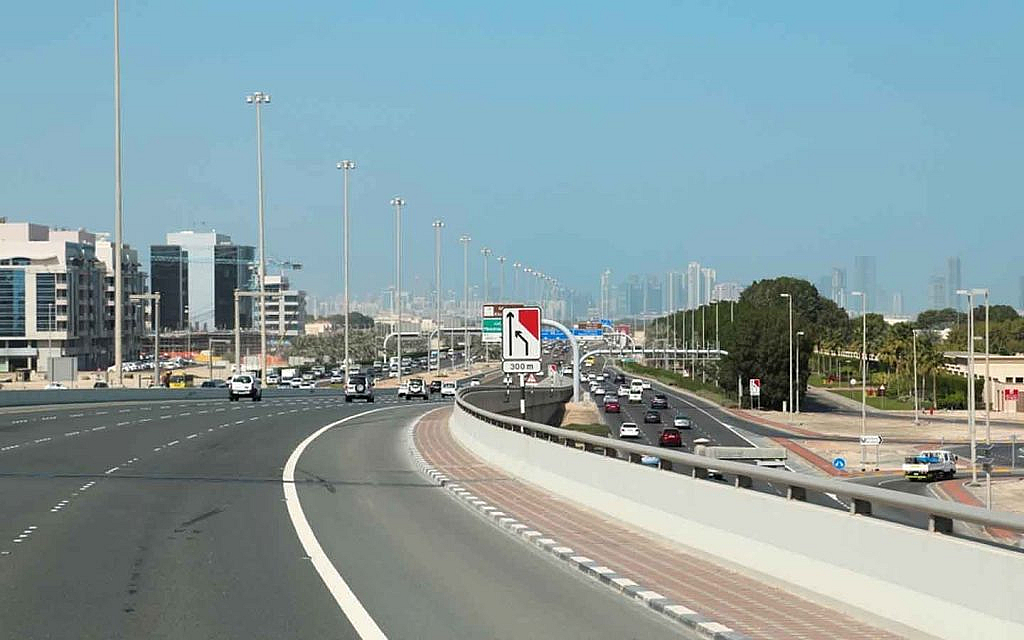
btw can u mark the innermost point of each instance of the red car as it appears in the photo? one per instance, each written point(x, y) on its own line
point(670, 438)
point(612, 406)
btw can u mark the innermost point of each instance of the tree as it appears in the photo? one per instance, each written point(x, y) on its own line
point(996, 313)
point(935, 319)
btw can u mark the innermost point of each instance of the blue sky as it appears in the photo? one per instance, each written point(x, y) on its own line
point(762, 138)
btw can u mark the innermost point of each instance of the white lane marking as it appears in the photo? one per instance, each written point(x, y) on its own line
point(172, 443)
point(357, 615)
point(121, 424)
point(72, 433)
point(43, 440)
point(125, 411)
point(102, 413)
point(145, 419)
point(111, 470)
point(165, 417)
point(194, 435)
point(98, 428)
point(256, 418)
point(76, 415)
point(239, 421)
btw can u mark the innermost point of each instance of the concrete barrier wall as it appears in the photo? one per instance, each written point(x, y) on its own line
point(18, 398)
point(939, 585)
point(545, 405)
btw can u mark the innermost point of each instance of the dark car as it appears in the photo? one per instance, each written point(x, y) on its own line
point(612, 406)
point(652, 417)
point(659, 401)
point(99, 384)
point(435, 386)
point(620, 378)
point(216, 383)
point(670, 437)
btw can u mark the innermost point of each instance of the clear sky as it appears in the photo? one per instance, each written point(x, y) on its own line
point(761, 138)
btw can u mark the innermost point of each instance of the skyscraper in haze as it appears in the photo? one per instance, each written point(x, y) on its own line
point(937, 292)
point(897, 304)
point(693, 283)
point(838, 292)
point(865, 279)
point(954, 282)
point(707, 284)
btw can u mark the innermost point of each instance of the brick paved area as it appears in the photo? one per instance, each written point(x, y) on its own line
point(751, 607)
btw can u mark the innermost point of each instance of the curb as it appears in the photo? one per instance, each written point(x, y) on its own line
point(954, 491)
point(593, 569)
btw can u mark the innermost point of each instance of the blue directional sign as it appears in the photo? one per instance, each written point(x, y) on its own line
point(552, 334)
point(605, 322)
point(839, 463)
point(587, 333)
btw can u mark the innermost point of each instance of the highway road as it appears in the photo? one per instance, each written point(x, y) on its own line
point(170, 520)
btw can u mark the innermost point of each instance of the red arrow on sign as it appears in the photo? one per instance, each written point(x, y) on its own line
point(530, 319)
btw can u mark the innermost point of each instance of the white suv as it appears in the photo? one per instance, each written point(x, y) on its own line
point(245, 384)
point(358, 387)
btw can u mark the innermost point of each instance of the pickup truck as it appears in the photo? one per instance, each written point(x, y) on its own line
point(930, 465)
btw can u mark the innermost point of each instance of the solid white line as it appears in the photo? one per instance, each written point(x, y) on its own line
point(357, 615)
point(111, 470)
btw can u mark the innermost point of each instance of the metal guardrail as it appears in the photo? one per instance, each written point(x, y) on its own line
point(941, 513)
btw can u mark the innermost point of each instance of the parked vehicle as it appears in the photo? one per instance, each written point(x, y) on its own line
point(930, 465)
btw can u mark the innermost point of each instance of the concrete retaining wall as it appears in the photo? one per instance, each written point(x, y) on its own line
point(75, 396)
point(942, 586)
point(545, 405)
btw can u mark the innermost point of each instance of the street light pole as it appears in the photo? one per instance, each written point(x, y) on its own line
point(798, 334)
point(971, 425)
point(465, 239)
point(916, 410)
point(516, 266)
point(790, 298)
point(118, 205)
point(346, 166)
point(438, 225)
point(987, 387)
point(259, 98)
point(398, 203)
point(863, 374)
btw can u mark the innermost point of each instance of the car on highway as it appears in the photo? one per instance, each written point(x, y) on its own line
point(295, 382)
point(659, 401)
point(682, 421)
point(652, 417)
point(99, 384)
point(416, 388)
point(670, 437)
point(435, 386)
point(611, 405)
point(215, 383)
point(54, 386)
point(620, 378)
point(247, 385)
point(475, 382)
point(636, 385)
point(599, 377)
point(629, 430)
point(448, 388)
point(358, 388)
point(930, 465)
point(635, 397)
point(623, 391)
point(337, 378)
point(272, 378)
point(307, 384)
point(646, 384)
point(403, 388)
point(599, 392)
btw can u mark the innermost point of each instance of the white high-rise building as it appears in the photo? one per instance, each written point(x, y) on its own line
point(693, 285)
point(707, 284)
point(285, 308)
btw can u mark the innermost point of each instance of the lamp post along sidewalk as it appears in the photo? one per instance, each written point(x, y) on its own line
point(863, 375)
point(789, 297)
point(971, 424)
point(257, 99)
point(398, 203)
point(798, 336)
point(437, 225)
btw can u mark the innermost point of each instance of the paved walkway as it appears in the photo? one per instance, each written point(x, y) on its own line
point(751, 607)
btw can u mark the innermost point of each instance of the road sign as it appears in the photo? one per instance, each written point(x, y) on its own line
point(490, 330)
point(605, 322)
point(839, 463)
point(553, 369)
point(520, 366)
point(1011, 395)
point(520, 334)
point(552, 334)
point(588, 334)
point(531, 380)
point(870, 441)
point(755, 387)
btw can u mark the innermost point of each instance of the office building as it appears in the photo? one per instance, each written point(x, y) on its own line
point(216, 267)
point(675, 291)
point(865, 276)
point(707, 284)
point(838, 289)
point(937, 293)
point(897, 304)
point(169, 275)
point(954, 283)
point(693, 285)
point(57, 297)
point(653, 295)
point(285, 309)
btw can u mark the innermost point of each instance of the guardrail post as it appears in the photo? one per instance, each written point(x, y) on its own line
point(588, 447)
point(744, 482)
point(635, 457)
point(860, 507)
point(699, 472)
point(796, 493)
point(569, 442)
point(940, 524)
point(610, 452)
point(665, 464)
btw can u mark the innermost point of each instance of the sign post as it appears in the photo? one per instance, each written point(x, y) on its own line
point(520, 344)
point(755, 392)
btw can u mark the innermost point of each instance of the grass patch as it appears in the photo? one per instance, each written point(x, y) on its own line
point(883, 403)
point(592, 429)
point(671, 378)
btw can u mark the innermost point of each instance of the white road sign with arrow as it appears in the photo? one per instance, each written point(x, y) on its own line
point(520, 339)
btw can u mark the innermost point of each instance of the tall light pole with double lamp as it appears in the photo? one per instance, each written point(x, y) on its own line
point(516, 266)
point(798, 335)
point(398, 203)
point(987, 387)
point(465, 240)
point(501, 278)
point(346, 166)
point(118, 207)
point(863, 375)
point(790, 298)
point(917, 419)
point(971, 419)
point(437, 225)
point(258, 98)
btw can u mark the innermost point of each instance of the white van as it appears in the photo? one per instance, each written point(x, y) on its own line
point(448, 388)
point(636, 385)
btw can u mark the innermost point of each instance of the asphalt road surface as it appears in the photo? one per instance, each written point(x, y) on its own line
point(169, 520)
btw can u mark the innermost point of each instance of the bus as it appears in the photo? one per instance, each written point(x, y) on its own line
point(180, 380)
